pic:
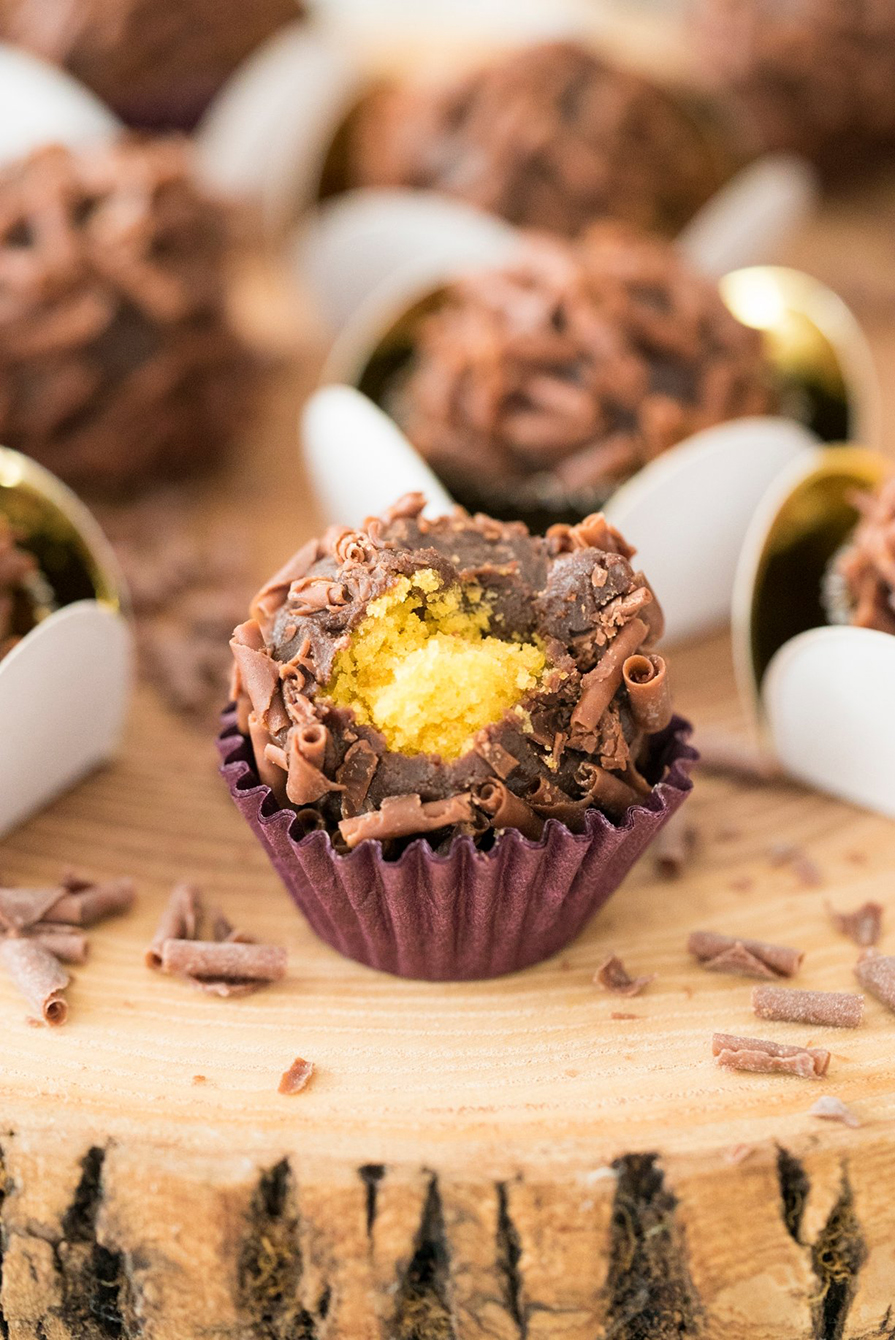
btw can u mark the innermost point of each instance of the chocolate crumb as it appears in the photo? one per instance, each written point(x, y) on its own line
point(621, 1014)
point(826, 1009)
point(769, 1058)
point(297, 1077)
point(612, 975)
point(831, 1108)
point(864, 925)
point(199, 1079)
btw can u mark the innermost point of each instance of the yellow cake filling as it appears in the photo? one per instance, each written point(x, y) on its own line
point(423, 670)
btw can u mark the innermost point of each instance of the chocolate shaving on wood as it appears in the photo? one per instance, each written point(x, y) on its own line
point(94, 903)
point(297, 1077)
point(769, 1058)
point(725, 953)
point(831, 1108)
point(38, 975)
point(179, 921)
point(864, 925)
point(876, 973)
point(674, 846)
point(612, 975)
point(68, 943)
point(224, 960)
point(739, 760)
point(826, 1009)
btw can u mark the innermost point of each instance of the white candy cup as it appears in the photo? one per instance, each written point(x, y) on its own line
point(373, 250)
point(359, 461)
point(63, 698)
point(829, 696)
point(266, 135)
point(705, 491)
point(41, 105)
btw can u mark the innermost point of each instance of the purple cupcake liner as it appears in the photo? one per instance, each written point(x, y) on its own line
point(467, 914)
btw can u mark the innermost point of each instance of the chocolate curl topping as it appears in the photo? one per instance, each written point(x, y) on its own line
point(649, 693)
point(709, 946)
point(179, 921)
point(400, 816)
point(223, 959)
point(825, 1009)
point(38, 975)
point(600, 685)
point(606, 790)
point(259, 675)
point(876, 973)
point(769, 1058)
point(270, 761)
point(67, 943)
point(507, 810)
point(305, 783)
point(272, 595)
point(355, 775)
point(311, 741)
point(85, 907)
point(21, 908)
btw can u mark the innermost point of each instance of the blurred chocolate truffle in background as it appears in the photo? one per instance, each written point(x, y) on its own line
point(550, 136)
point(157, 63)
point(544, 384)
point(117, 360)
point(814, 75)
point(23, 592)
point(861, 582)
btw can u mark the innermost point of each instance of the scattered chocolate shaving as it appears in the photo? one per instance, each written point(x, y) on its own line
point(803, 866)
point(68, 943)
point(831, 1108)
point(297, 1077)
point(826, 1009)
point(674, 846)
point(738, 961)
point(780, 960)
point(199, 1079)
point(86, 906)
point(22, 908)
point(225, 960)
point(612, 975)
point(876, 972)
point(769, 1058)
point(620, 1014)
point(742, 883)
point(741, 761)
point(179, 921)
point(38, 975)
point(864, 925)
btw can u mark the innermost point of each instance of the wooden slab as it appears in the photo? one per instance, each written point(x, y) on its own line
point(500, 1159)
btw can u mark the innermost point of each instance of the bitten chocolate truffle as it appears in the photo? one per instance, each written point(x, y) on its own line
point(553, 379)
point(453, 676)
point(156, 62)
point(861, 583)
point(816, 75)
point(117, 360)
point(551, 137)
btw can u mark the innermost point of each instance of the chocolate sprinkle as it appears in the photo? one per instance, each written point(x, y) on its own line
point(826, 1009)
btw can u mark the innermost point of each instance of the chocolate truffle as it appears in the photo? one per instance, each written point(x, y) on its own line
point(453, 676)
point(117, 361)
point(550, 136)
point(22, 593)
point(553, 379)
point(861, 583)
point(156, 62)
point(815, 75)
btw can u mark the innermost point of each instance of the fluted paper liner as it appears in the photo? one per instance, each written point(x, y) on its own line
point(468, 914)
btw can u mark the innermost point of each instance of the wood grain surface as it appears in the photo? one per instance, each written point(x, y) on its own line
point(499, 1159)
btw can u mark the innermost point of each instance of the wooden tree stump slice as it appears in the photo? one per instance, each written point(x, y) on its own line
point(484, 1161)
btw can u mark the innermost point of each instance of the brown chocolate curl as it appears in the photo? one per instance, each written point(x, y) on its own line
point(600, 685)
point(180, 920)
point(85, 907)
point(38, 975)
point(606, 790)
point(649, 692)
point(613, 976)
point(67, 943)
point(864, 925)
point(760, 959)
point(674, 847)
point(507, 810)
point(399, 816)
point(297, 1077)
point(769, 1058)
point(231, 960)
point(825, 1009)
point(876, 973)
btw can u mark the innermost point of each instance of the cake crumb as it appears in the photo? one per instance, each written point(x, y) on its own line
point(297, 1077)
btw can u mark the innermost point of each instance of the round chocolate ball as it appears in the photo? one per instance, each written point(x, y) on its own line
point(546, 383)
point(117, 360)
point(549, 136)
point(814, 75)
point(154, 62)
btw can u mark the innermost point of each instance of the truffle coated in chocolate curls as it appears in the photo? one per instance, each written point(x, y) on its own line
point(539, 630)
point(831, 1108)
point(864, 573)
point(826, 1009)
point(769, 1058)
point(550, 136)
point(117, 358)
point(562, 373)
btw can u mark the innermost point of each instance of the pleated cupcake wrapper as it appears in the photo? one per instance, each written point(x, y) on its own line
point(467, 914)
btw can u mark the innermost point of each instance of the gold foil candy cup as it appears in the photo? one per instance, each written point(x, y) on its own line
point(64, 686)
point(824, 696)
